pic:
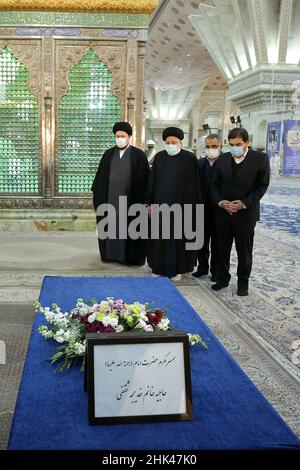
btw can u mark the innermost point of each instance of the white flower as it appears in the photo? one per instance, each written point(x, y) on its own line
point(120, 328)
point(62, 319)
point(60, 336)
point(194, 339)
point(79, 348)
point(67, 335)
point(110, 321)
point(96, 307)
point(164, 324)
point(79, 303)
point(60, 332)
point(92, 318)
point(45, 332)
point(57, 318)
point(83, 310)
point(143, 316)
point(59, 339)
point(50, 316)
point(148, 328)
point(76, 333)
point(141, 324)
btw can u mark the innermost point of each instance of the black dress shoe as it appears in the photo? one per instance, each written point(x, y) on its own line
point(213, 278)
point(242, 292)
point(199, 273)
point(219, 286)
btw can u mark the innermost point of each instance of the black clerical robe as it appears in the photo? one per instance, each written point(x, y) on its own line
point(173, 179)
point(126, 176)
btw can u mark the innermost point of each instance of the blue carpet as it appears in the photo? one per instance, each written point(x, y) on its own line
point(285, 219)
point(229, 411)
point(280, 207)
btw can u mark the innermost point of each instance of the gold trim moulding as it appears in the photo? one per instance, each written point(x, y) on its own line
point(81, 6)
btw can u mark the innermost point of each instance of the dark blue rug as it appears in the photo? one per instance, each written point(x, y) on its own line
point(229, 411)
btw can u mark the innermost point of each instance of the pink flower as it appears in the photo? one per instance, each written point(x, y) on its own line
point(96, 307)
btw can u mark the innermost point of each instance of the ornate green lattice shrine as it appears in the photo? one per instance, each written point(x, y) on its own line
point(19, 129)
point(86, 116)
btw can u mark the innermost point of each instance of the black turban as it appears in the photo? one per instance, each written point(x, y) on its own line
point(122, 126)
point(173, 132)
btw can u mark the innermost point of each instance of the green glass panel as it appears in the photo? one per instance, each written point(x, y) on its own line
point(87, 114)
point(19, 128)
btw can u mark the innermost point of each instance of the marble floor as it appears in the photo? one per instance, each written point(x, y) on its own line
point(260, 331)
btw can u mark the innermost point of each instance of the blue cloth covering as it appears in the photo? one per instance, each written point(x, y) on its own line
point(229, 411)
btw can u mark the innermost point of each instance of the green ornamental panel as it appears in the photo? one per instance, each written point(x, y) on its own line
point(86, 117)
point(19, 128)
point(97, 20)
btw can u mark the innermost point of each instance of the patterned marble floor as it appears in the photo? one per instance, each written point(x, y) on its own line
point(259, 331)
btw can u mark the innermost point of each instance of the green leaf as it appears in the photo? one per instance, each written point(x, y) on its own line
point(203, 343)
point(91, 302)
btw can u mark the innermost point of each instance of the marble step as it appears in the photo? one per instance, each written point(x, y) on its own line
point(44, 220)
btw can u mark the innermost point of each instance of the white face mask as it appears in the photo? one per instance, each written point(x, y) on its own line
point(173, 149)
point(212, 154)
point(121, 142)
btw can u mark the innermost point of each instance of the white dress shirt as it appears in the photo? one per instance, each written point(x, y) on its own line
point(122, 151)
point(241, 159)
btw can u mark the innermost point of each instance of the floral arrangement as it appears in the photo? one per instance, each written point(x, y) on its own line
point(109, 316)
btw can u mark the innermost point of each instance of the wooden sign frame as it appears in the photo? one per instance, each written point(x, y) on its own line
point(138, 377)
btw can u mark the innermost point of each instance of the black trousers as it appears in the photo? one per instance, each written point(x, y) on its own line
point(209, 248)
point(243, 234)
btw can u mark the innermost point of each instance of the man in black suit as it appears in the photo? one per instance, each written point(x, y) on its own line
point(213, 146)
point(240, 179)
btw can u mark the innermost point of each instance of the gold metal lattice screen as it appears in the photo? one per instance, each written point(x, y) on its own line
point(85, 119)
point(19, 128)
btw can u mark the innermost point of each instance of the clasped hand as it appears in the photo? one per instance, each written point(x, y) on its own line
point(232, 207)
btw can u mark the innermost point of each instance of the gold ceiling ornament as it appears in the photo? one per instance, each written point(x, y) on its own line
point(81, 6)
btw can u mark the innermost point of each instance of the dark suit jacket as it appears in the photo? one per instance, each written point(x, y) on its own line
point(249, 187)
point(206, 184)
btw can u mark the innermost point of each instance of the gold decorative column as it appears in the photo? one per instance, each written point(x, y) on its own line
point(140, 123)
point(131, 114)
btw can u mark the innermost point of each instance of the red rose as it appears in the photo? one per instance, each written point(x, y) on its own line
point(153, 319)
point(95, 327)
point(108, 329)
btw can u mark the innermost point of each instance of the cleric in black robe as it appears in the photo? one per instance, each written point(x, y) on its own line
point(174, 178)
point(123, 171)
